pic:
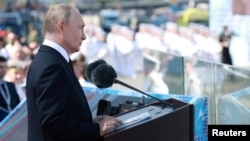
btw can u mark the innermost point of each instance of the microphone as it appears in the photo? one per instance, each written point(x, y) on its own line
point(103, 76)
point(92, 67)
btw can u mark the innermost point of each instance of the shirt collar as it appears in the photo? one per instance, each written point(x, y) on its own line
point(57, 47)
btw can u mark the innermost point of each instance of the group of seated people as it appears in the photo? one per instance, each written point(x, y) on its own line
point(12, 84)
point(16, 53)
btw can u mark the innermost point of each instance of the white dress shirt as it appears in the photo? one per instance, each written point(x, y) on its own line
point(57, 47)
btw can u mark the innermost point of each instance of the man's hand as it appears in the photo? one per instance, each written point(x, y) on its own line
point(107, 123)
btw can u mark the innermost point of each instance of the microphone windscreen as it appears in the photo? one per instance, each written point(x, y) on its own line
point(92, 66)
point(103, 76)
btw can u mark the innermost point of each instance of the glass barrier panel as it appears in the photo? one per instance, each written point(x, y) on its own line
point(232, 95)
point(199, 81)
point(163, 69)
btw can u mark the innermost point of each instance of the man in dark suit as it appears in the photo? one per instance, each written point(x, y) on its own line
point(57, 107)
point(9, 98)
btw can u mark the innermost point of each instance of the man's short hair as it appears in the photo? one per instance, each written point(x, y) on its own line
point(55, 14)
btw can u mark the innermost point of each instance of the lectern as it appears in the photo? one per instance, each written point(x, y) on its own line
point(155, 122)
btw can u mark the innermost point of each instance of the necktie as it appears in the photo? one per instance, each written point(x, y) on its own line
point(71, 67)
point(71, 64)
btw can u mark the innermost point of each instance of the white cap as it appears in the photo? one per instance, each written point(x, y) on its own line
point(151, 59)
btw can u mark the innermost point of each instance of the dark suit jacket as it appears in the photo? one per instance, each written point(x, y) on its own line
point(57, 107)
point(3, 113)
point(14, 98)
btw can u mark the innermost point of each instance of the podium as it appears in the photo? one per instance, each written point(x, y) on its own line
point(156, 123)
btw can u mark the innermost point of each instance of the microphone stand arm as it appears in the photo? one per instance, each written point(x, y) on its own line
point(133, 88)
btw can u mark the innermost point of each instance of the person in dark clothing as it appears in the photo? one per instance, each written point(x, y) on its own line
point(9, 98)
point(58, 109)
point(225, 39)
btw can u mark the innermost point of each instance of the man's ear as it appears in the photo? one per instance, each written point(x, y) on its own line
point(60, 26)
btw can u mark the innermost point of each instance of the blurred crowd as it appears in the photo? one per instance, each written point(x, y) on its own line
point(129, 51)
point(125, 49)
point(16, 54)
